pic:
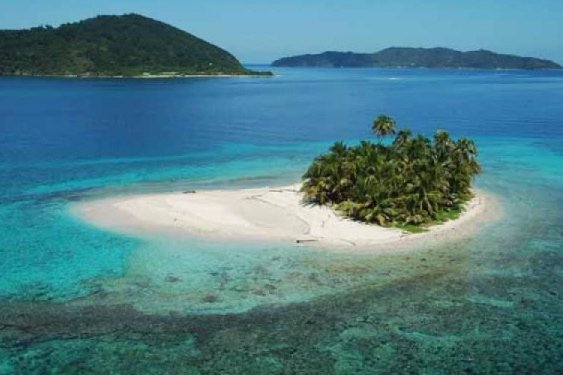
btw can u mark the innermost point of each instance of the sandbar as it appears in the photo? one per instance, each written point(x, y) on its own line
point(276, 214)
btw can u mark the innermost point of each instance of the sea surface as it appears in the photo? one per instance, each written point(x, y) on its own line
point(75, 299)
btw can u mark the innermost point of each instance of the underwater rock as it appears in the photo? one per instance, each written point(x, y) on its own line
point(210, 298)
point(172, 279)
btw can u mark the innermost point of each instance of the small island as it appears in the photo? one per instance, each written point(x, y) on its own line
point(370, 197)
point(404, 57)
point(411, 183)
point(130, 45)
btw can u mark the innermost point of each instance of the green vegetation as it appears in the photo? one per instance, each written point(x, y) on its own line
point(418, 58)
point(128, 45)
point(411, 183)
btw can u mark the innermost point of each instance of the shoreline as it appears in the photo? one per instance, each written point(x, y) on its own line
point(268, 214)
point(142, 76)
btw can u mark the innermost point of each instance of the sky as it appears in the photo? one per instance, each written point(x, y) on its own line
point(260, 31)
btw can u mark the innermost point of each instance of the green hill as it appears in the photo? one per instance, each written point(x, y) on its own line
point(418, 58)
point(127, 45)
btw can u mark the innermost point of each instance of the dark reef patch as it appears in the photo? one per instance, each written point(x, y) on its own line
point(463, 323)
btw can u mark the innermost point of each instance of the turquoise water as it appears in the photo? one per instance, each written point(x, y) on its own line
point(77, 299)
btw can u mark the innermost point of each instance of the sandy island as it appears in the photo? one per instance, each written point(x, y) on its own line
point(265, 214)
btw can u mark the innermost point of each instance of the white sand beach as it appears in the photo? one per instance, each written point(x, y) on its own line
point(266, 214)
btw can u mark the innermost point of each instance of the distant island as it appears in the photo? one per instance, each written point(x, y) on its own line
point(128, 45)
point(399, 57)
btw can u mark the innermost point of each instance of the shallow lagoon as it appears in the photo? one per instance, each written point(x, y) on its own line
point(78, 299)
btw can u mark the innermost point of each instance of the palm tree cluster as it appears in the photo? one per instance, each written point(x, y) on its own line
point(412, 181)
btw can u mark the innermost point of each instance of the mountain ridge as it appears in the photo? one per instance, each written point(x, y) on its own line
point(402, 57)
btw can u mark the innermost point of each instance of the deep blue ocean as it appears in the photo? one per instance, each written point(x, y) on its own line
point(78, 299)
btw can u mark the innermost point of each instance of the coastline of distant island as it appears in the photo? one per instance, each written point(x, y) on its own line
point(406, 57)
point(149, 76)
point(126, 46)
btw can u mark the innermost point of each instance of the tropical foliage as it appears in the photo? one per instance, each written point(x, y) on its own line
point(411, 181)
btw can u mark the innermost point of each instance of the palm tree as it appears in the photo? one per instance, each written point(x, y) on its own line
point(339, 148)
point(443, 144)
point(465, 166)
point(402, 138)
point(383, 126)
